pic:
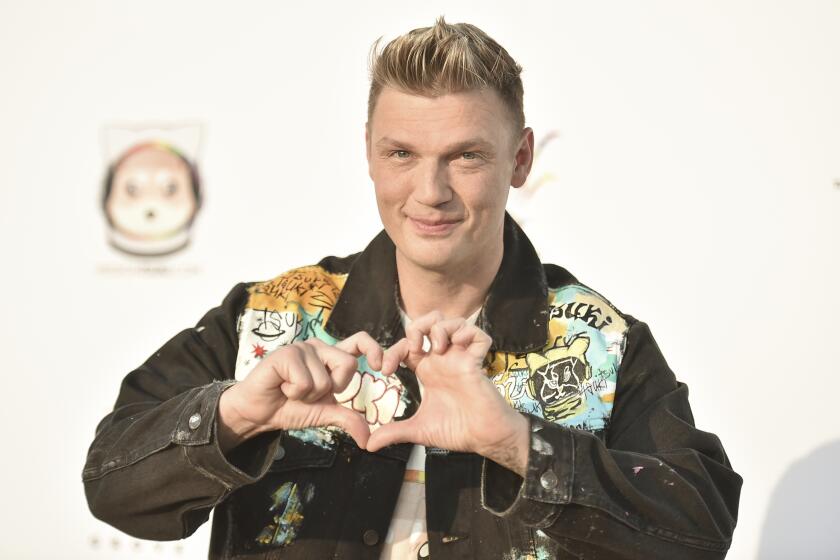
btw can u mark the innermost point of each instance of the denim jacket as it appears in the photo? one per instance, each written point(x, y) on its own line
point(616, 467)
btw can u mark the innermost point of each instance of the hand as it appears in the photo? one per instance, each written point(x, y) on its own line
point(293, 387)
point(461, 409)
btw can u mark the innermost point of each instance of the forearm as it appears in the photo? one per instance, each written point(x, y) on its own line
point(655, 487)
point(156, 474)
point(155, 467)
point(623, 504)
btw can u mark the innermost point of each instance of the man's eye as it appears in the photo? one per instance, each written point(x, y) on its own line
point(401, 154)
point(475, 157)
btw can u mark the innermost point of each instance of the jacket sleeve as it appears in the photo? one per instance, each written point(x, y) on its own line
point(155, 469)
point(656, 488)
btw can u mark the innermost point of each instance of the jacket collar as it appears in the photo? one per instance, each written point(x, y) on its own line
point(514, 314)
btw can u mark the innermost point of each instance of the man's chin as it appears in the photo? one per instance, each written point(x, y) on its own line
point(433, 261)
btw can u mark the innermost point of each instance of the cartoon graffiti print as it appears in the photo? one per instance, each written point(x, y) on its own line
point(261, 331)
point(558, 377)
point(293, 306)
point(272, 326)
point(379, 398)
point(572, 379)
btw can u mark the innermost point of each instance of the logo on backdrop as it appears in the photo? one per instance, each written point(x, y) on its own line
point(152, 188)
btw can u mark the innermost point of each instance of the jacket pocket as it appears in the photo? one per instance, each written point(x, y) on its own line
point(308, 448)
point(299, 505)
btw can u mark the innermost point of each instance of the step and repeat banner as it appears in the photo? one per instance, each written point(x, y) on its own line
point(155, 154)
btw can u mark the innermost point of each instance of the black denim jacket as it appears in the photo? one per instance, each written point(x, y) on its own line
point(616, 467)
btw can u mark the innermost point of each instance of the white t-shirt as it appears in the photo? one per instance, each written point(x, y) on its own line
point(407, 538)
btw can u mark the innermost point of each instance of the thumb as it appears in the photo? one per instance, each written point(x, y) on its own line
point(391, 433)
point(348, 420)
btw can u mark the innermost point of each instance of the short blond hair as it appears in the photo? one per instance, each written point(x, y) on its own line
point(446, 58)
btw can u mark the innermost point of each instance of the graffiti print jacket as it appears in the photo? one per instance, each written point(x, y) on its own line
point(616, 468)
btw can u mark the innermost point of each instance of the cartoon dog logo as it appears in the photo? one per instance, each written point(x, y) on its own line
point(151, 196)
point(557, 378)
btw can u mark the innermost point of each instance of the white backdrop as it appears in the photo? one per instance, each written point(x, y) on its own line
point(693, 172)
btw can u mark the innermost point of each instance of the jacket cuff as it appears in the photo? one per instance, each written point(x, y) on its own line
point(198, 435)
point(538, 499)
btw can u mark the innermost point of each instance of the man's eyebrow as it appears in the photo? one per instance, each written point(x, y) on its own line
point(476, 142)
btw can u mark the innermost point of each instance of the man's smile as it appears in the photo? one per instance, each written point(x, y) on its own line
point(434, 226)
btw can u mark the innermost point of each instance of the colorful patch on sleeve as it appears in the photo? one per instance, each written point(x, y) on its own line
point(571, 380)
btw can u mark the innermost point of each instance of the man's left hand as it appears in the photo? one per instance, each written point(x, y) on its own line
point(461, 409)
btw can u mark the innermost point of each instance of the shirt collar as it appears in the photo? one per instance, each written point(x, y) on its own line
point(514, 314)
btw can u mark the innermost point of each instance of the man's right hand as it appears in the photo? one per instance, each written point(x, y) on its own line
point(292, 388)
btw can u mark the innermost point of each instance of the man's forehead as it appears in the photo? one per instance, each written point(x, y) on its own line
point(473, 119)
point(475, 143)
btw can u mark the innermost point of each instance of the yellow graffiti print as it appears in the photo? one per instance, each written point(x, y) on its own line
point(310, 289)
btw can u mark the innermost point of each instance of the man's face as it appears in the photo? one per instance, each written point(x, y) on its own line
point(441, 168)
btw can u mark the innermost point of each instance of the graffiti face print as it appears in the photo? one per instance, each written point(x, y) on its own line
point(274, 326)
point(560, 379)
point(558, 376)
point(261, 332)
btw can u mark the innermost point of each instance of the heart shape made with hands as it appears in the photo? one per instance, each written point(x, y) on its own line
point(461, 409)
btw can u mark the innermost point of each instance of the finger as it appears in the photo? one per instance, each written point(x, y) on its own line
point(394, 355)
point(340, 364)
point(473, 339)
point(441, 333)
point(322, 382)
point(394, 432)
point(295, 374)
point(348, 420)
point(362, 343)
point(438, 338)
point(420, 327)
point(400, 354)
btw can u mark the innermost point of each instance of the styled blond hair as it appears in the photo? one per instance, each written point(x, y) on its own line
point(446, 58)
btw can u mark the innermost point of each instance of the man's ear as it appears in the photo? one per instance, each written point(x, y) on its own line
point(523, 158)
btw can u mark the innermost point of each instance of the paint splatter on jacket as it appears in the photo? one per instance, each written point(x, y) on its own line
point(616, 467)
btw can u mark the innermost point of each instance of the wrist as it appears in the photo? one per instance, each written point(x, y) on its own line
point(233, 428)
point(511, 451)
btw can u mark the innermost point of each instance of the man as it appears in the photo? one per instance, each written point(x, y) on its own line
point(302, 407)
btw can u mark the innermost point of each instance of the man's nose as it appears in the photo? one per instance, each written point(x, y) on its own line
point(431, 186)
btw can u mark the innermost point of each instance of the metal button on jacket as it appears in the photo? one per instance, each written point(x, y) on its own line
point(195, 421)
point(548, 480)
point(280, 453)
point(370, 537)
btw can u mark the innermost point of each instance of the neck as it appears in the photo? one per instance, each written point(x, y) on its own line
point(455, 293)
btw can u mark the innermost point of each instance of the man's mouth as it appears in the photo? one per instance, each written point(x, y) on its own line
point(434, 225)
